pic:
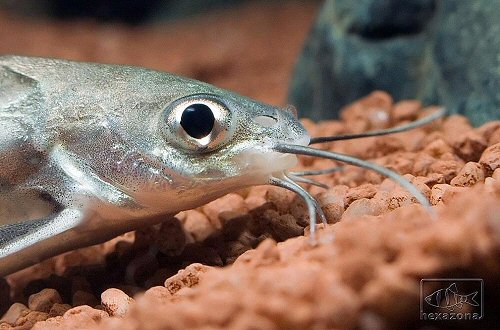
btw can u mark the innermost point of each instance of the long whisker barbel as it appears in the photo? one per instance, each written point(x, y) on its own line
point(289, 180)
point(312, 205)
point(318, 209)
point(398, 129)
point(402, 181)
point(311, 202)
point(300, 179)
point(318, 172)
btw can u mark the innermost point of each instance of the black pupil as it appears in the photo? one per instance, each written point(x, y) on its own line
point(197, 120)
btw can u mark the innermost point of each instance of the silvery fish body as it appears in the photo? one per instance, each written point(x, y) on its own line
point(90, 151)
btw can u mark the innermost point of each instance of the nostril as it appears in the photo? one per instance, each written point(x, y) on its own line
point(266, 121)
point(293, 110)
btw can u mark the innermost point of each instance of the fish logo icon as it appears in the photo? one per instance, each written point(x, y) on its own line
point(450, 299)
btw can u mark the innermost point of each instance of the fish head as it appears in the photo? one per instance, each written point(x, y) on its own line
point(207, 140)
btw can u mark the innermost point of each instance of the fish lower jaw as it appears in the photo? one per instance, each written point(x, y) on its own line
point(268, 163)
point(258, 169)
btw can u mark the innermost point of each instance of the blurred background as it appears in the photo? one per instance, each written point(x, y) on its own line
point(317, 55)
point(247, 46)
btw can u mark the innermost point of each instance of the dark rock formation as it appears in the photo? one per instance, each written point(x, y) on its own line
point(439, 51)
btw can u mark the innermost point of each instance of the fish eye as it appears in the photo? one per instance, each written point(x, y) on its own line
point(197, 120)
point(198, 123)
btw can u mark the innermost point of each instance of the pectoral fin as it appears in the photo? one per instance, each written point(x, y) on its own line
point(25, 243)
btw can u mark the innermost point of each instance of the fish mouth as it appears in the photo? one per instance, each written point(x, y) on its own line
point(266, 163)
point(303, 141)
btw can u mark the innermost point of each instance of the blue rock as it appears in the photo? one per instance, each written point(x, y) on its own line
point(438, 51)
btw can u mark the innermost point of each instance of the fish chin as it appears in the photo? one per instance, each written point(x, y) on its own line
point(265, 164)
point(260, 163)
